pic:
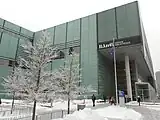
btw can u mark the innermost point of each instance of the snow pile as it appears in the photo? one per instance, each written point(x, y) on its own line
point(132, 103)
point(111, 112)
point(119, 113)
point(62, 105)
point(86, 114)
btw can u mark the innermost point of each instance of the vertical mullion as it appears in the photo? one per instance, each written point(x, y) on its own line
point(116, 23)
point(2, 31)
point(80, 65)
point(97, 54)
point(18, 44)
point(54, 38)
point(66, 41)
point(54, 32)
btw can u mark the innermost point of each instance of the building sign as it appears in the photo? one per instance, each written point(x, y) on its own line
point(120, 42)
point(108, 45)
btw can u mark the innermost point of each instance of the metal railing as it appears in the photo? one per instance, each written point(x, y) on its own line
point(16, 111)
point(47, 116)
point(42, 116)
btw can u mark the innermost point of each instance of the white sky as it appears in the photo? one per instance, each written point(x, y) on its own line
point(39, 14)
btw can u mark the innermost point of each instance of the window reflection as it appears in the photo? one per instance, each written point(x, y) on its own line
point(6, 62)
point(73, 49)
point(60, 54)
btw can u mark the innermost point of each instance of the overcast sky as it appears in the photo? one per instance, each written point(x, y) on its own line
point(39, 14)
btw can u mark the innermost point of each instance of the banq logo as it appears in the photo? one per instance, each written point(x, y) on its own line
point(108, 45)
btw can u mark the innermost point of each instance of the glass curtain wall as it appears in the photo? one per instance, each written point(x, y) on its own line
point(81, 36)
point(11, 37)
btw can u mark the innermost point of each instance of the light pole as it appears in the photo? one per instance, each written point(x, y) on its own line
point(115, 70)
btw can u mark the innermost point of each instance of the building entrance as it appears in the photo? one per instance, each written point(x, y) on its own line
point(126, 74)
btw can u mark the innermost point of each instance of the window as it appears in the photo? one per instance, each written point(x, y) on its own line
point(60, 55)
point(60, 34)
point(8, 46)
point(11, 63)
point(73, 30)
point(3, 62)
point(71, 49)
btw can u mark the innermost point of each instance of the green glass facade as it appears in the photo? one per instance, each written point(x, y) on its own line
point(11, 36)
point(83, 35)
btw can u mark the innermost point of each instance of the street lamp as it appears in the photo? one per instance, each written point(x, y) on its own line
point(115, 71)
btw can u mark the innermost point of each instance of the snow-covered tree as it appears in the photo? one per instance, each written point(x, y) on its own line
point(11, 83)
point(35, 79)
point(69, 78)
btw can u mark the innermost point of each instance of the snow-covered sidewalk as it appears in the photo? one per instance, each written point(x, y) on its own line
point(86, 114)
point(121, 113)
point(106, 113)
point(102, 111)
point(149, 105)
point(149, 110)
point(148, 114)
point(42, 110)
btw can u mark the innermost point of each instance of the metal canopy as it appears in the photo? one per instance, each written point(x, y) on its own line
point(135, 52)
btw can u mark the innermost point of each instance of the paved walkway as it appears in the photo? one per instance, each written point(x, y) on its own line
point(98, 106)
point(148, 114)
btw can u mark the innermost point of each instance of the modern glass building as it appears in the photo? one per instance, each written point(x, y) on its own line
point(92, 37)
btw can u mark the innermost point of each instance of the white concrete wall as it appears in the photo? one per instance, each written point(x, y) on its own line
point(158, 82)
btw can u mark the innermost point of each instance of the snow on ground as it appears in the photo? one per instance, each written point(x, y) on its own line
point(9, 101)
point(45, 107)
point(149, 105)
point(106, 113)
point(86, 114)
point(154, 107)
point(22, 108)
point(100, 112)
point(118, 112)
point(142, 103)
point(12, 116)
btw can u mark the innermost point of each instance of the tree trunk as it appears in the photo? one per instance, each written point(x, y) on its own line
point(69, 82)
point(51, 103)
point(34, 110)
point(34, 106)
point(12, 104)
point(84, 101)
point(68, 105)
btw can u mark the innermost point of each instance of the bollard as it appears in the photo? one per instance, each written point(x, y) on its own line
point(51, 115)
point(36, 117)
point(62, 114)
